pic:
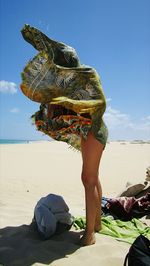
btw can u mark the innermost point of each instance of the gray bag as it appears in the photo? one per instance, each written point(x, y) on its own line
point(51, 215)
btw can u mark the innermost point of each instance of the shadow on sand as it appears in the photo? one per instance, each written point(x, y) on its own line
point(21, 246)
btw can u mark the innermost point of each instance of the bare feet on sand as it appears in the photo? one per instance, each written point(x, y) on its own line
point(87, 239)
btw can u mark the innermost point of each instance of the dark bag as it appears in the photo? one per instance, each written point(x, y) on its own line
point(139, 253)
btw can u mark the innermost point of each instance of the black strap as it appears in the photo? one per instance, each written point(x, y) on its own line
point(125, 261)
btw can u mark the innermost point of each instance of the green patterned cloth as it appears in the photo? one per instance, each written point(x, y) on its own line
point(71, 95)
point(120, 230)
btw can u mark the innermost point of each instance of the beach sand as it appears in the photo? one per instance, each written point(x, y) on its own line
point(31, 171)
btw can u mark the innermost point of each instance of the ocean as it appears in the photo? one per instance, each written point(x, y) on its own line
point(14, 141)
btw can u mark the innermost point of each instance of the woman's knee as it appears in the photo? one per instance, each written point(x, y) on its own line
point(89, 179)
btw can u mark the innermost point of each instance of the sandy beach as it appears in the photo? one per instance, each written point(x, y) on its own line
point(31, 171)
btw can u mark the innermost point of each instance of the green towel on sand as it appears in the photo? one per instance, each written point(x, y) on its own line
point(120, 230)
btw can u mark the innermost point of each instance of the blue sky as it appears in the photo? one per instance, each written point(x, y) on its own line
point(113, 36)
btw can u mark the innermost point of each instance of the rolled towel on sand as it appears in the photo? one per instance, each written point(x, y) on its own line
point(51, 215)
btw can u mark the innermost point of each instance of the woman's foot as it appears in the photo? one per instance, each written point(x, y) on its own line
point(87, 239)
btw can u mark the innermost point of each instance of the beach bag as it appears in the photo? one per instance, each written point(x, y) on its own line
point(139, 253)
point(51, 216)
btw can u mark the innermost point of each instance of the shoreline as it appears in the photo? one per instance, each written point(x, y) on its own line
point(24, 141)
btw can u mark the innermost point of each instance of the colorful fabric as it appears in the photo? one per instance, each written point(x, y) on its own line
point(126, 231)
point(71, 95)
point(126, 208)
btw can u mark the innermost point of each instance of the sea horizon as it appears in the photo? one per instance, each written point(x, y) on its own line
point(23, 141)
point(17, 141)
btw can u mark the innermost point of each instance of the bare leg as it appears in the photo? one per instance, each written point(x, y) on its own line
point(98, 213)
point(91, 154)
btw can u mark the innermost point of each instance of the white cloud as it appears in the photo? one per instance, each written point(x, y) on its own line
point(144, 124)
point(123, 126)
point(108, 100)
point(15, 110)
point(114, 117)
point(8, 87)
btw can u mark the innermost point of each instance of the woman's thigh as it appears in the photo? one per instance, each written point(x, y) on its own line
point(91, 150)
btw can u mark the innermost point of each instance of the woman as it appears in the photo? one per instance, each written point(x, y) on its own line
point(91, 153)
point(71, 110)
